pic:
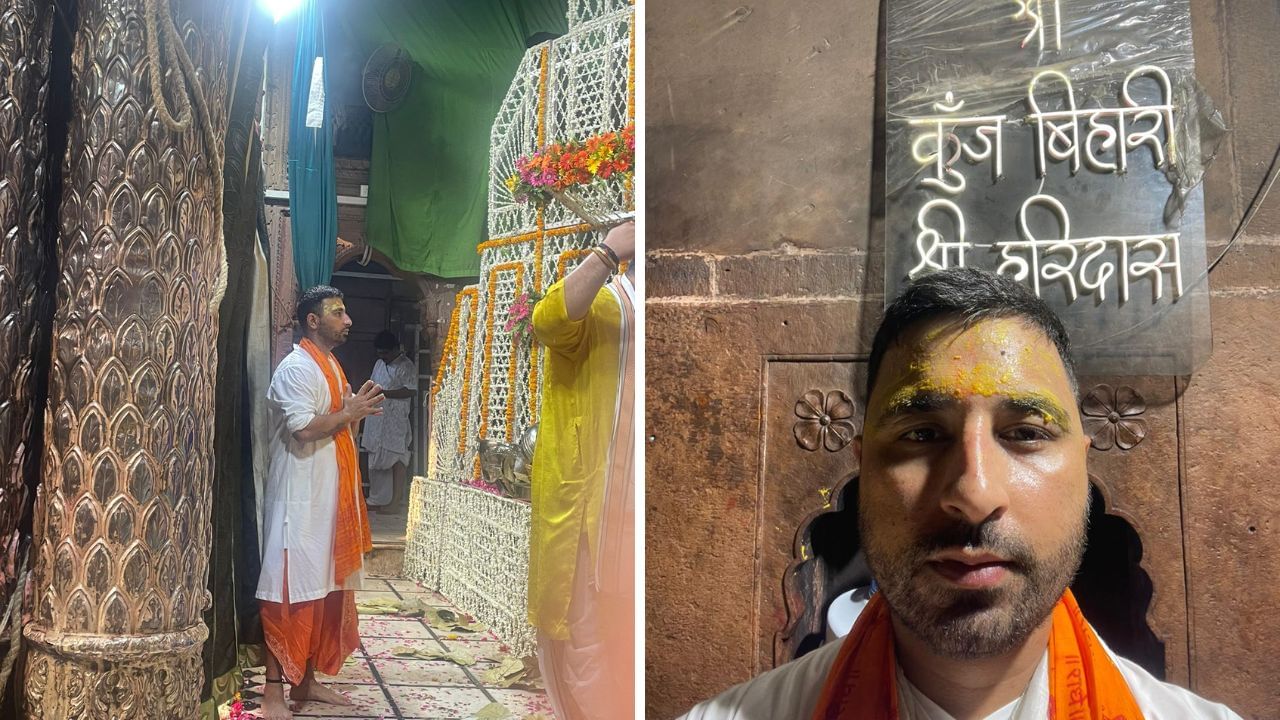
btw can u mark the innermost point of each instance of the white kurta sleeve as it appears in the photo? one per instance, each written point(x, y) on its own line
point(299, 395)
point(407, 374)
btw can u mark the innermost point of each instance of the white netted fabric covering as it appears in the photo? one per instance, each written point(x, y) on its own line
point(589, 89)
point(470, 422)
point(473, 547)
point(466, 543)
point(421, 552)
point(562, 252)
point(572, 87)
point(581, 11)
point(447, 405)
point(515, 134)
point(588, 82)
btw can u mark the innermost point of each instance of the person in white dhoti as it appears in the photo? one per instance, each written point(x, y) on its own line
point(387, 438)
point(973, 506)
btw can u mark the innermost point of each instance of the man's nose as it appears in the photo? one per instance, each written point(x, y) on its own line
point(977, 476)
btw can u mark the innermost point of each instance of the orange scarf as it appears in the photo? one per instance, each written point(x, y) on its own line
point(351, 537)
point(1084, 683)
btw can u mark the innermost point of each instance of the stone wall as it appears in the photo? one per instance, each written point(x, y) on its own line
point(765, 279)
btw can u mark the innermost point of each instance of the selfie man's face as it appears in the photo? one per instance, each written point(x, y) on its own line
point(332, 322)
point(973, 491)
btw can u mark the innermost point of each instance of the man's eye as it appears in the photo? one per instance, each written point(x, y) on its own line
point(921, 435)
point(1028, 433)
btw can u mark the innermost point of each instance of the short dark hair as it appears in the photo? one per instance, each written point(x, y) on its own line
point(968, 295)
point(312, 299)
point(386, 340)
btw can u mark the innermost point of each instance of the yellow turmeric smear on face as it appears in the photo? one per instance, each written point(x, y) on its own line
point(980, 379)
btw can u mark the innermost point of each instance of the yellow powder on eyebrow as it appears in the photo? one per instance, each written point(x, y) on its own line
point(981, 379)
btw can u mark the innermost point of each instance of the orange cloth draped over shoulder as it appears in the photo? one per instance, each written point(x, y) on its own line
point(351, 533)
point(324, 631)
point(1084, 682)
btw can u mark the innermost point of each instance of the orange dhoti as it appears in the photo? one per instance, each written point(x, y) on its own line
point(321, 632)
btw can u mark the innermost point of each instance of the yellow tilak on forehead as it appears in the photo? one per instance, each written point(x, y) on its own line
point(982, 379)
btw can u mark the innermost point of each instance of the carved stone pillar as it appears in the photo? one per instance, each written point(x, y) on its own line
point(122, 515)
point(24, 56)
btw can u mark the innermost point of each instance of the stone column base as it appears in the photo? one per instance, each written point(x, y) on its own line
point(93, 677)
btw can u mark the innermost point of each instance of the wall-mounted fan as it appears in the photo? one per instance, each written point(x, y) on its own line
point(386, 78)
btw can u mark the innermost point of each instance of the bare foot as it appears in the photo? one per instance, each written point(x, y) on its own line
point(313, 690)
point(274, 706)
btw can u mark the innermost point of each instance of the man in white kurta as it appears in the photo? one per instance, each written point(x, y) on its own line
point(315, 530)
point(791, 692)
point(387, 438)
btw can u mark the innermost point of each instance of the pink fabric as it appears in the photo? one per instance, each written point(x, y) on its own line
point(591, 674)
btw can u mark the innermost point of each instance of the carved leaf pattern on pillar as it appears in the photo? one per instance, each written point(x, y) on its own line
point(123, 515)
point(826, 420)
point(1111, 417)
point(24, 56)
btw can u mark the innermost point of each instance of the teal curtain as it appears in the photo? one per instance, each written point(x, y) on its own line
point(313, 198)
point(429, 173)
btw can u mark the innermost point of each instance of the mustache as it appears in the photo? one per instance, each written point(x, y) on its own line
point(983, 537)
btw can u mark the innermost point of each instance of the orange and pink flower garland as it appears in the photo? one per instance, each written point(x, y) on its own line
point(563, 166)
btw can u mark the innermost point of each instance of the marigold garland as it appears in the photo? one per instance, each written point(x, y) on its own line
point(534, 235)
point(473, 295)
point(568, 256)
point(631, 102)
point(519, 269)
point(450, 346)
point(631, 73)
point(545, 66)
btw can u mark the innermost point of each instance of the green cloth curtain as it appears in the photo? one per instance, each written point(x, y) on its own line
point(429, 174)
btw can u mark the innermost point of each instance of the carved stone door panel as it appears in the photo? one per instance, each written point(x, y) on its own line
point(812, 410)
point(1133, 423)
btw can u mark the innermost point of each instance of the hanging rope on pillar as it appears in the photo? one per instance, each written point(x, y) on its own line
point(161, 29)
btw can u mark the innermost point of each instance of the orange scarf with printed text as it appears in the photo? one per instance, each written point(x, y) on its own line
point(1084, 682)
point(351, 532)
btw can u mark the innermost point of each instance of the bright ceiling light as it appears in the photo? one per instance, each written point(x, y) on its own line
point(279, 9)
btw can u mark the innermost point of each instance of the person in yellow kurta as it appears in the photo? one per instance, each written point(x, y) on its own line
point(582, 560)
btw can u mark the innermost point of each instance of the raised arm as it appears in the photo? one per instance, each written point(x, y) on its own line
point(581, 286)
